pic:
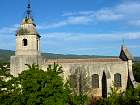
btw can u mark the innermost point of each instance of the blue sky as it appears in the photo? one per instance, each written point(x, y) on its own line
point(91, 27)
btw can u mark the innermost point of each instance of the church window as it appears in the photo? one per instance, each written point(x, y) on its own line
point(25, 42)
point(95, 81)
point(117, 80)
point(73, 81)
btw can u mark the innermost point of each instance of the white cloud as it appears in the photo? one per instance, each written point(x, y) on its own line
point(135, 22)
point(72, 20)
point(82, 49)
point(79, 20)
point(86, 49)
point(128, 8)
point(127, 12)
point(134, 46)
point(118, 12)
point(108, 15)
point(93, 36)
point(8, 30)
point(79, 13)
point(89, 43)
point(132, 35)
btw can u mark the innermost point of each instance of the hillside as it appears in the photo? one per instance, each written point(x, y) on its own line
point(5, 56)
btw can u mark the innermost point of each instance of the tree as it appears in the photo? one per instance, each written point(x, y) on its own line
point(37, 87)
point(79, 85)
point(136, 71)
point(130, 97)
point(4, 82)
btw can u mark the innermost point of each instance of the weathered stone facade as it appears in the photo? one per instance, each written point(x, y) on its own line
point(109, 66)
point(101, 73)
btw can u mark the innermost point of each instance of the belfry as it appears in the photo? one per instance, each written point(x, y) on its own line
point(27, 43)
point(27, 37)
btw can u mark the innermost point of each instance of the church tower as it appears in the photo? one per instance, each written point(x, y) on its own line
point(27, 38)
point(27, 44)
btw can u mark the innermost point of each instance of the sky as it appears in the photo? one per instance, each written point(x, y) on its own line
point(82, 27)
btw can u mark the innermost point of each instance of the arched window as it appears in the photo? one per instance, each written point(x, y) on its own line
point(25, 42)
point(117, 80)
point(95, 81)
point(73, 81)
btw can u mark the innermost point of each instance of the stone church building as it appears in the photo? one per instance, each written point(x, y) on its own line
point(100, 73)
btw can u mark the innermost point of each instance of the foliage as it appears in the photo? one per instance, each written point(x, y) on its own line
point(4, 69)
point(78, 100)
point(129, 97)
point(37, 87)
point(5, 64)
point(4, 85)
point(41, 87)
point(79, 86)
point(136, 71)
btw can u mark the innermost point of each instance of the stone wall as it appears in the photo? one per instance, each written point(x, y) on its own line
point(17, 63)
point(32, 47)
point(95, 66)
point(109, 66)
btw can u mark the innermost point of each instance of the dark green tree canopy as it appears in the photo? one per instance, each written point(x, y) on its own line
point(37, 87)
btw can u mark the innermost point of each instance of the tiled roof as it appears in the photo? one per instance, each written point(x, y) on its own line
point(84, 60)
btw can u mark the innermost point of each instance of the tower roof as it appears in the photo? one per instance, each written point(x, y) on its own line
point(28, 27)
point(28, 21)
point(125, 54)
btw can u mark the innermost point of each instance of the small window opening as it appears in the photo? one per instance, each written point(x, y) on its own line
point(25, 43)
point(117, 80)
point(95, 81)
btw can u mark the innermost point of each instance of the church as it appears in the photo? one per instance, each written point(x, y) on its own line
point(100, 73)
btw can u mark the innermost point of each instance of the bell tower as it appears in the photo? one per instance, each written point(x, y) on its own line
point(27, 44)
point(27, 37)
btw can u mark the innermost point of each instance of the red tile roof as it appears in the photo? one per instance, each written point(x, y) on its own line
point(85, 60)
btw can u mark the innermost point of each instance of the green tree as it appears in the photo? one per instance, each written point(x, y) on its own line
point(37, 87)
point(130, 97)
point(44, 87)
point(136, 71)
point(4, 82)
